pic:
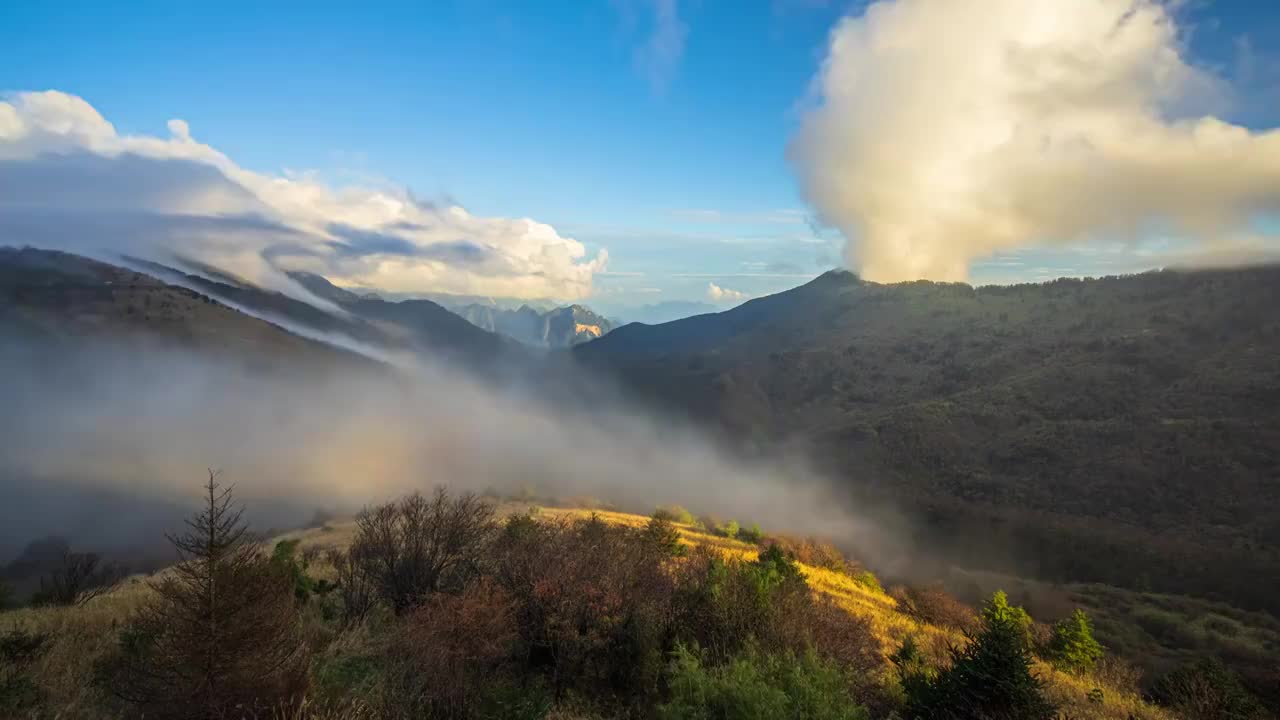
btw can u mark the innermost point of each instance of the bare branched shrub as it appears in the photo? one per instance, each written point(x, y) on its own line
point(220, 638)
point(1114, 672)
point(450, 651)
point(837, 634)
point(1207, 690)
point(815, 553)
point(592, 602)
point(933, 604)
point(355, 588)
point(79, 578)
point(418, 545)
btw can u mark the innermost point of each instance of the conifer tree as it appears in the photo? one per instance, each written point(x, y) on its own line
point(1072, 647)
point(663, 533)
point(991, 677)
point(220, 636)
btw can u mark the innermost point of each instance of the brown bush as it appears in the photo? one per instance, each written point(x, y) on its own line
point(418, 545)
point(836, 634)
point(932, 604)
point(77, 579)
point(1114, 672)
point(592, 602)
point(814, 553)
point(450, 651)
point(355, 588)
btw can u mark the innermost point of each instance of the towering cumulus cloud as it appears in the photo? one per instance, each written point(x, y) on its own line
point(946, 131)
point(69, 180)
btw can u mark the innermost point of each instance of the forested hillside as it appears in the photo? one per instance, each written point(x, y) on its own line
point(1119, 430)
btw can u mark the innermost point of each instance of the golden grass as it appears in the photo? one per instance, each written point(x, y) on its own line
point(79, 635)
point(891, 627)
point(1071, 694)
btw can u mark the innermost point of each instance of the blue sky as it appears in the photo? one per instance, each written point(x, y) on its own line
point(660, 138)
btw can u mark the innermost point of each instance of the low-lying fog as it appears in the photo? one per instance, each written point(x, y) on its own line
point(108, 446)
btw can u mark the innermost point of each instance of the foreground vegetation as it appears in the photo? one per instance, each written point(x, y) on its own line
point(451, 606)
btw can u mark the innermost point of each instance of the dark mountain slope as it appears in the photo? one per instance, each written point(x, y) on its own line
point(59, 294)
point(420, 324)
point(1121, 430)
point(59, 297)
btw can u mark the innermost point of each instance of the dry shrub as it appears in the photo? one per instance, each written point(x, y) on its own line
point(1207, 690)
point(815, 553)
point(934, 605)
point(356, 589)
point(592, 602)
point(850, 642)
point(1112, 672)
point(451, 651)
point(585, 502)
point(846, 638)
point(77, 579)
point(417, 546)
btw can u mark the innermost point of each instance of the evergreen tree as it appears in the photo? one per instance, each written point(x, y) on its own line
point(663, 533)
point(1072, 647)
point(220, 635)
point(990, 678)
point(914, 671)
point(778, 564)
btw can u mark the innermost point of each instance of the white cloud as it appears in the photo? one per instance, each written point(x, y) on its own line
point(718, 294)
point(68, 179)
point(658, 56)
point(949, 131)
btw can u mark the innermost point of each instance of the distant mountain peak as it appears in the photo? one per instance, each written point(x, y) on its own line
point(837, 275)
point(554, 328)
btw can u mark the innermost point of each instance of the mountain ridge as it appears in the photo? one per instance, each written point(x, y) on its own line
point(1100, 414)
